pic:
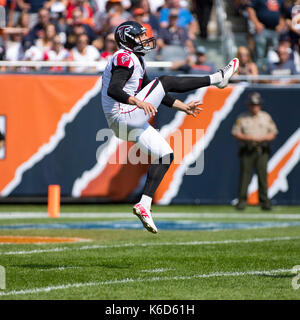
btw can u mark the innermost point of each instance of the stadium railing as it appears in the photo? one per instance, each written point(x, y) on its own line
point(162, 66)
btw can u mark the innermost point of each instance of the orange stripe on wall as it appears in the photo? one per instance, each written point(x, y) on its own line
point(213, 100)
point(273, 175)
point(117, 180)
point(33, 106)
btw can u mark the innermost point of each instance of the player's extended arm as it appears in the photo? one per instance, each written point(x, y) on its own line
point(120, 76)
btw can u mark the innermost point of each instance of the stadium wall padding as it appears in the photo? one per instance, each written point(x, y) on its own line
point(51, 122)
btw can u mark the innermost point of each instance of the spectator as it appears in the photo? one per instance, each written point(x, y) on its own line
point(76, 28)
point(85, 8)
point(196, 64)
point(45, 43)
point(284, 67)
point(83, 52)
point(267, 17)
point(138, 15)
point(203, 11)
point(110, 46)
point(247, 66)
point(57, 53)
point(38, 29)
point(185, 18)
point(174, 35)
point(115, 14)
point(100, 5)
point(149, 17)
point(32, 7)
point(13, 47)
point(293, 21)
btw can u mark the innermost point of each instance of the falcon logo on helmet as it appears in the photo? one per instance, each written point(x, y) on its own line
point(128, 36)
point(122, 31)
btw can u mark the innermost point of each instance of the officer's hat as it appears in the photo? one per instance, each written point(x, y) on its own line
point(255, 98)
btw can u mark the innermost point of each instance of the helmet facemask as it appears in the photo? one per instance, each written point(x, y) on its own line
point(144, 46)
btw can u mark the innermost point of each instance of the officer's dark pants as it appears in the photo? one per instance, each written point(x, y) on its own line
point(259, 161)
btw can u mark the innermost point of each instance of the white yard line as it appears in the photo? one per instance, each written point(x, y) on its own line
point(154, 279)
point(124, 245)
point(109, 215)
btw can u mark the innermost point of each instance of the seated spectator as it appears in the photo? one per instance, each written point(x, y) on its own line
point(37, 30)
point(77, 27)
point(174, 35)
point(148, 17)
point(195, 64)
point(267, 17)
point(247, 66)
point(110, 47)
point(13, 47)
point(138, 16)
point(284, 67)
point(57, 53)
point(84, 52)
point(115, 14)
point(185, 18)
point(46, 41)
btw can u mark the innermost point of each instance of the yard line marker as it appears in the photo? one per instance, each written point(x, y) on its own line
point(128, 245)
point(157, 270)
point(110, 215)
point(130, 280)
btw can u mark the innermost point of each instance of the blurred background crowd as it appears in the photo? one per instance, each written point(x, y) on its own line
point(83, 31)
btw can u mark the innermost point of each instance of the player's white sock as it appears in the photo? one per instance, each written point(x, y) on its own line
point(146, 201)
point(215, 78)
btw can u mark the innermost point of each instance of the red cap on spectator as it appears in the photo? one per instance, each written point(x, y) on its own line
point(138, 11)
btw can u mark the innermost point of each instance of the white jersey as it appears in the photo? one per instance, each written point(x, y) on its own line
point(123, 58)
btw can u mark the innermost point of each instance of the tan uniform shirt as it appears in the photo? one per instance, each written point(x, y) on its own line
point(254, 125)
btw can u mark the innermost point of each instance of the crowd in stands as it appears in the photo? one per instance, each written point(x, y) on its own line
point(79, 30)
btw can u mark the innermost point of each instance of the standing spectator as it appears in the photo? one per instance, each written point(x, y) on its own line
point(84, 52)
point(138, 15)
point(196, 64)
point(84, 6)
point(149, 17)
point(247, 66)
point(254, 130)
point(185, 18)
point(115, 14)
point(284, 67)
point(267, 17)
point(293, 21)
point(32, 7)
point(203, 11)
point(174, 35)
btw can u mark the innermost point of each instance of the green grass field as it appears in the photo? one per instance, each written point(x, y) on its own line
point(252, 263)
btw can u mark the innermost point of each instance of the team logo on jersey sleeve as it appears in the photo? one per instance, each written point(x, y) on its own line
point(123, 60)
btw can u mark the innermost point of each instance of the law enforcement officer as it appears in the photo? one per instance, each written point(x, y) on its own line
point(254, 129)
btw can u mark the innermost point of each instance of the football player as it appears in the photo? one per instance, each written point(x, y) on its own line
point(130, 98)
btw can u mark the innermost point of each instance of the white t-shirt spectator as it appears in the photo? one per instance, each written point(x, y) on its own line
point(92, 54)
point(13, 51)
